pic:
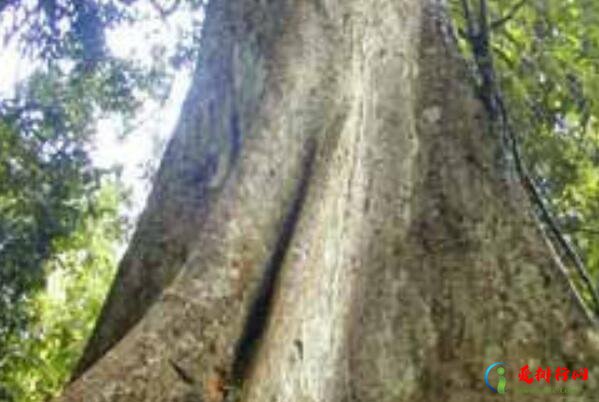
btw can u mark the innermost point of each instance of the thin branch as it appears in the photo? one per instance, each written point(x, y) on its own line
point(468, 18)
point(483, 20)
point(571, 287)
point(165, 12)
point(510, 38)
point(583, 230)
point(491, 96)
point(503, 56)
point(515, 8)
point(544, 212)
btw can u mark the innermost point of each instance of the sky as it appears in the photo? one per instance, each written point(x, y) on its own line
point(143, 146)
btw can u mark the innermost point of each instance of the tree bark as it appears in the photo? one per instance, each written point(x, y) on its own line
point(332, 221)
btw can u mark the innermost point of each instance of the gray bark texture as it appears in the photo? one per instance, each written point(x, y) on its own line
point(332, 222)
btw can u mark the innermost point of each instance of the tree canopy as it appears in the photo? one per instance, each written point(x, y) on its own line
point(61, 216)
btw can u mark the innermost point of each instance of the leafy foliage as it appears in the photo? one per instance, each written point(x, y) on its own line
point(55, 29)
point(46, 172)
point(58, 216)
point(546, 56)
point(62, 314)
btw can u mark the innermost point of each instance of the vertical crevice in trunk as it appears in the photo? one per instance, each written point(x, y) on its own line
point(260, 309)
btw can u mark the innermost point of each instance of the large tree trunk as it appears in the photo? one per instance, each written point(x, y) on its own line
point(332, 221)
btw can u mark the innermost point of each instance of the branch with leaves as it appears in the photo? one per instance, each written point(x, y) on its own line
point(478, 35)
